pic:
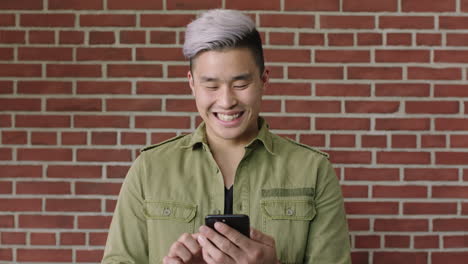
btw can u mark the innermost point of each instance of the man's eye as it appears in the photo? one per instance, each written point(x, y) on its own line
point(241, 85)
point(212, 87)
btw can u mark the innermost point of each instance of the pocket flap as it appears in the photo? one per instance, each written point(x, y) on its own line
point(289, 209)
point(172, 210)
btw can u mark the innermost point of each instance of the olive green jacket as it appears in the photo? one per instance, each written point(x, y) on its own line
point(289, 190)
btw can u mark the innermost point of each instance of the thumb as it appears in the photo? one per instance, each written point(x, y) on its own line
point(261, 237)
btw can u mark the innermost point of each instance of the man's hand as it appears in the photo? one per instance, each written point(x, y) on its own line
point(230, 246)
point(185, 250)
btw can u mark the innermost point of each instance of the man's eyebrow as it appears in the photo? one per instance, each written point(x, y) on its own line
point(208, 79)
point(242, 77)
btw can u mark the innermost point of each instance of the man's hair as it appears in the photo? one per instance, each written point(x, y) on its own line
point(219, 29)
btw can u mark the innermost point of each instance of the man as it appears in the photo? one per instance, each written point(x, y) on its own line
point(230, 164)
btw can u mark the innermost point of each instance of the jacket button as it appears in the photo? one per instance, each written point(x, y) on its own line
point(166, 211)
point(289, 211)
point(216, 211)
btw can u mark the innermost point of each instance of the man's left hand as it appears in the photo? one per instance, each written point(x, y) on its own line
point(229, 246)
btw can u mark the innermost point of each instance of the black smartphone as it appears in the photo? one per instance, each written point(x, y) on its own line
point(240, 222)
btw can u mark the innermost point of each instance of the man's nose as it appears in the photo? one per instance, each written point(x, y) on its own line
point(227, 97)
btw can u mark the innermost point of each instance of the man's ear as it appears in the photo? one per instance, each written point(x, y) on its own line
point(191, 81)
point(265, 79)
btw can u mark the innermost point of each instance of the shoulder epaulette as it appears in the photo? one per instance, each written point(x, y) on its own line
point(161, 143)
point(326, 155)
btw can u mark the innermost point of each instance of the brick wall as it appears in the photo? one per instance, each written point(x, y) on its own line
point(380, 85)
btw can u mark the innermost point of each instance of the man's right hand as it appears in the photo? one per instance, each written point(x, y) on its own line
point(185, 250)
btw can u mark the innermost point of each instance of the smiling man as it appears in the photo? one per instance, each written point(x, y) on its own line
point(231, 164)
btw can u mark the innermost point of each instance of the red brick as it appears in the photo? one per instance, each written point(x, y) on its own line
point(401, 225)
point(20, 171)
point(6, 87)
point(135, 4)
point(97, 239)
point(12, 37)
point(7, 221)
point(314, 39)
point(42, 37)
point(21, 5)
point(369, 39)
point(105, 87)
point(5, 121)
point(44, 138)
point(346, 22)
point(7, 20)
point(290, 55)
point(399, 39)
point(68, 239)
point(71, 37)
point(110, 205)
point(340, 90)
point(313, 140)
point(432, 107)
point(433, 141)
point(397, 241)
point(453, 22)
point(402, 124)
point(94, 222)
point(451, 90)
point(73, 205)
point(312, 72)
point(281, 38)
point(372, 208)
point(163, 88)
point(343, 56)
point(447, 124)
point(183, 105)
point(14, 205)
point(428, 39)
point(47, 20)
point(420, 174)
point(85, 121)
point(73, 70)
point(369, 6)
point(371, 106)
point(73, 171)
point(164, 37)
point(89, 255)
point(117, 171)
point(46, 221)
point(44, 154)
point(298, 122)
point(345, 141)
point(42, 121)
point(456, 241)
point(6, 154)
point(166, 20)
point(429, 208)
point(406, 22)
point(404, 141)
point(135, 138)
point(318, 5)
point(6, 54)
point(135, 70)
point(287, 21)
point(350, 157)
point(108, 20)
point(40, 255)
point(101, 37)
point(20, 70)
point(162, 122)
point(451, 56)
point(452, 224)
point(450, 192)
point(399, 157)
point(12, 104)
point(340, 39)
point(449, 257)
point(358, 224)
point(104, 54)
point(132, 37)
point(342, 123)
point(303, 106)
point(380, 191)
point(426, 242)
point(76, 4)
point(459, 141)
point(191, 5)
point(159, 54)
point(371, 174)
point(43, 187)
point(44, 87)
point(464, 5)
point(366, 241)
point(71, 104)
point(104, 155)
point(452, 158)
point(288, 89)
point(455, 39)
point(89, 188)
point(402, 89)
point(104, 138)
point(402, 56)
point(74, 138)
point(423, 6)
point(43, 239)
point(373, 73)
point(13, 238)
point(253, 5)
point(6, 187)
point(133, 105)
point(400, 257)
point(354, 191)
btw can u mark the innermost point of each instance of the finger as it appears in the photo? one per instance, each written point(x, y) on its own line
point(261, 237)
point(207, 258)
point(220, 241)
point(234, 236)
point(169, 260)
point(190, 243)
point(178, 250)
point(213, 251)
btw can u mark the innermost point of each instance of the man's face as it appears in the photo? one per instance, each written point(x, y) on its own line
point(228, 90)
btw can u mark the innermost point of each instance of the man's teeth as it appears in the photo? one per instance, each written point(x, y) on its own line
point(224, 117)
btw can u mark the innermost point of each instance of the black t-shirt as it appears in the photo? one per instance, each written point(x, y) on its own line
point(228, 200)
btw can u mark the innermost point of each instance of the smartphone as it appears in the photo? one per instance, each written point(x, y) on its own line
point(240, 222)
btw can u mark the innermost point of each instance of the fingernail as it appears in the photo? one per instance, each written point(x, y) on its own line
point(201, 240)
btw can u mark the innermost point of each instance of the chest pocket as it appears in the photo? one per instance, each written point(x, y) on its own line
point(288, 221)
point(166, 221)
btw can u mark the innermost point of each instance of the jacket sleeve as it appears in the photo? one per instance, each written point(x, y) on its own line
point(328, 240)
point(127, 241)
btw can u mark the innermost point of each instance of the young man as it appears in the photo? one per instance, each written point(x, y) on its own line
point(230, 164)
